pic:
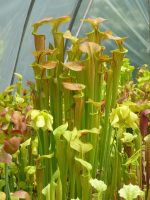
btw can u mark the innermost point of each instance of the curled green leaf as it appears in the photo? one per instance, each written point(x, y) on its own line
point(56, 22)
point(68, 35)
point(80, 146)
point(41, 23)
point(95, 22)
point(59, 131)
point(84, 163)
point(123, 117)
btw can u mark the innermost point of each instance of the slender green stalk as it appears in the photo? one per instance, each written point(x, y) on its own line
point(111, 102)
point(44, 143)
point(115, 171)
point(71, 171)
point(44, 166)
point(23, 160)
point(56, 101)
point(59, 190)
point(7, 183)
point(53, 161)
point(61, 155)
point(48, 195)
point(52, 193)
point(86, 188)
point(39, 180)
point(11, 183)
point(46, 161)
point(69, 108)
point(72, 182)
point(78, 181)
point(106, 137)
point(94, 140)
point(56, 186)
point(41, 142)
point(100, 82)
point(59, 43)
point(138, 145)
point(79, 110)
point(97, 196)
point(116, 68)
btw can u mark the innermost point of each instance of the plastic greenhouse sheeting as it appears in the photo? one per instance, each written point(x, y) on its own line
point(125, 18)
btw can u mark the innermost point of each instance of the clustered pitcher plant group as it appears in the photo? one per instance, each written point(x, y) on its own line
point(81, 129)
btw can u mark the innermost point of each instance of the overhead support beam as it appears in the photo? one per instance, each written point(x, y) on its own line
point(22, 37)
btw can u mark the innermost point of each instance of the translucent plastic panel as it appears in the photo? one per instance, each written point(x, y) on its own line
point(125, 18)
point(12, 18)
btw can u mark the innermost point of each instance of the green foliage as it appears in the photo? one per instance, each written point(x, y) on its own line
point(98, 185)
point(40, 119)
point(130, 192)
point(78, 120)
point(122, 117)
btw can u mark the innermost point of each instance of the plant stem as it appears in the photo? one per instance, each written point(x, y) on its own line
point(86, 189)
point(71, 171)
point(79, 111)
point(94, 140)
point(58, 190)
point(39, 180)
point(61, 155)
point(105, 138)
point(7, 182)
point(116, 68)
point(97, 196)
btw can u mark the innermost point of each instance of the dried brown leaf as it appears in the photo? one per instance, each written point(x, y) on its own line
point(48, 64)
point(104, 58)
point(94, 21)
point(116, 38)
point(5, 157)
point(12, 145)
point(90, 47)
point(19, 121)
point(73, 86)
point(22, 195)
point(74, 66)
point(43, 52)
